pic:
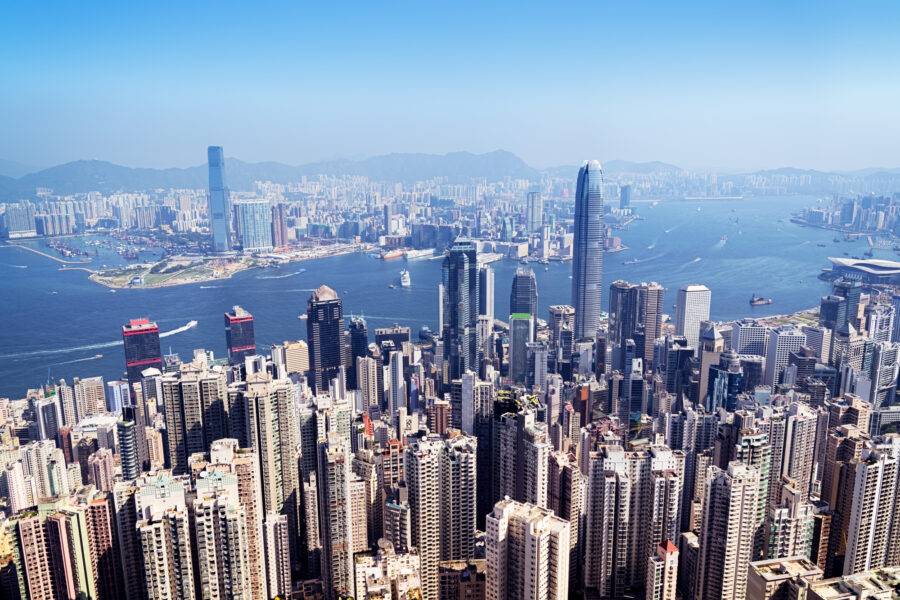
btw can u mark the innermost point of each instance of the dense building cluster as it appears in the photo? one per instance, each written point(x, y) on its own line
point(609, 455)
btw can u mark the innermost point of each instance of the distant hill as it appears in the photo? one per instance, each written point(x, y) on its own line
point(617, 167)
point(106, 177)
point(11, 168)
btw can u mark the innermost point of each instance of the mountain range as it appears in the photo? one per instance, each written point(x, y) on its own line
point(457, 167)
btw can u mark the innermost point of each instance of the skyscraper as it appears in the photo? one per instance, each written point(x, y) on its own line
point(587, 250)
point(486, 292)
point(625, 197)
point(325, 333)
point(337, 529)
point(521, 328)
point(359, 346)
point(256, 225)
point(141, 338)
point(662, 572)
point(692, 307)
point(239, 336)
point(535, 212)
point(219, 202)
point(459, 330)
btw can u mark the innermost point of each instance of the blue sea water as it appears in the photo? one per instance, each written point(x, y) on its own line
point(676, 244)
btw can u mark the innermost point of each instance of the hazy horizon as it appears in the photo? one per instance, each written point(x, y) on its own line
point(718, 88)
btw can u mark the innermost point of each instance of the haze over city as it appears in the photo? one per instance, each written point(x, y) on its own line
point(728, 86)
point(459, 301)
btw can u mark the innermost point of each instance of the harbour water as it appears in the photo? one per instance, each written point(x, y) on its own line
point(675, 245)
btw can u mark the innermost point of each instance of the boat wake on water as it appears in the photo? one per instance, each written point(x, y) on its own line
point(280, 276)
point(183, 328)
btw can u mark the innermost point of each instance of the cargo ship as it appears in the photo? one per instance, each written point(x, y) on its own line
point(759, 300)
point(391, 254)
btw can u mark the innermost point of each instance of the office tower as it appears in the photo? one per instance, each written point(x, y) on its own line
point(724, 383)
point(221, 536)
point(359, 347)
point(278, 559)
point(662, 572)
point(219, 202)
point(239, 338)
point(692, 306)
point(562, 316)
point(818, 338)
point(336, 519)
point(296, 357)
point(255, 218)
point(397, 397)
point(523, 296)
point(325, 333)
point(872, 540)
point(625, 197)
point(781, 578)
point(726, 536)
point(423, 478)
point(884, 371)
point(141, 338)
point(527, 553)
point(790, 526)
point(850, 290)
point(196, 414)
point(832, 312)
point(486, 292)
point(879, 322)
point(749, 337)
point(782, 341)
point(624, 306)
point(459, 327)
point(650, 313)
point(462, 579)
point(521, 329)
point(279, 226)
point(536, 369)
point(587, 250)
point(535, 214)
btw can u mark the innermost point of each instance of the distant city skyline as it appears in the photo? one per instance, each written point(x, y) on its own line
point(801, 85)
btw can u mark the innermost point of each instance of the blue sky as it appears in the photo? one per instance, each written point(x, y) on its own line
point(737, 85)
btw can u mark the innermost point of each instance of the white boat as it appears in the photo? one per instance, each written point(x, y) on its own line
point(404, 278)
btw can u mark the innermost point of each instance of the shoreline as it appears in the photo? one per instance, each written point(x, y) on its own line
point(227, 271)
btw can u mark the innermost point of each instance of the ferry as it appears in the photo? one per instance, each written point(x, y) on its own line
point(411, 254)
point(404, 278)
point(759, 300)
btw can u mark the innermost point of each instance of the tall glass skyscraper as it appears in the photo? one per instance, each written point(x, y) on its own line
point(587, 250)
point(325, 335)
point(219, 205)
point(256, 225)
point(523, 297)
point(459, 329)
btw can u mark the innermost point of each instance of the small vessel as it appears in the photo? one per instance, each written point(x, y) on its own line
point(837, 240)
point(303, 317)
point(54, 292)
point(546, 268)
point(98, 356)
point(112, 291)
point(391, 285)
point(759, 300)
point(870, 254)
point(724, 238)
point(404, 278)
point(631, 262)
point(820, 245)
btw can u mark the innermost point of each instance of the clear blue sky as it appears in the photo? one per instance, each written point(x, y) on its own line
point(731, 84)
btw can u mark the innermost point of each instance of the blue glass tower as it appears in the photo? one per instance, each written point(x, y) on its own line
point(219, 205)
point(460, 307)
point(587, 250)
